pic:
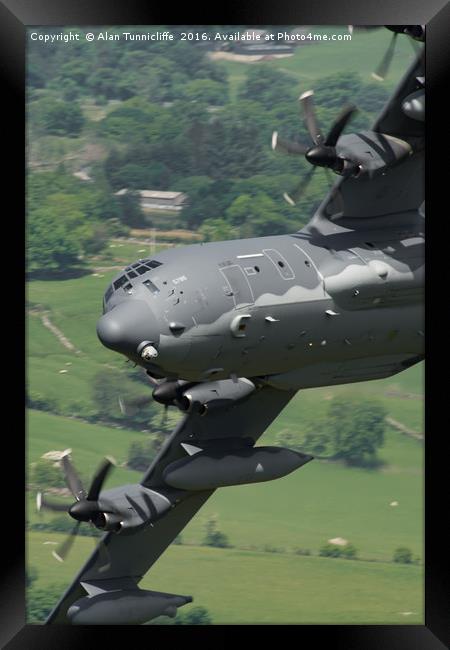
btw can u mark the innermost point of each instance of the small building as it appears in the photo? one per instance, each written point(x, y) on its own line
point(159, 200)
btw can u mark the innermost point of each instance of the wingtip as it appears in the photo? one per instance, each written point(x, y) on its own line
point(57, 557)
point(377, 76)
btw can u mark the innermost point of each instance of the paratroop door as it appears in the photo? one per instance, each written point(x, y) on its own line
point(239, 286)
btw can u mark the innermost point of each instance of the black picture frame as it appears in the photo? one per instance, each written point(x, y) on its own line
point(15, 16)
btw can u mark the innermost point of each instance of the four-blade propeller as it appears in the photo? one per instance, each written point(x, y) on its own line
point(416, 32)
point(323, 152)
point(86, 507)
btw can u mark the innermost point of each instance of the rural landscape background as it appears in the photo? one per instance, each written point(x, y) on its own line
point(109, 116)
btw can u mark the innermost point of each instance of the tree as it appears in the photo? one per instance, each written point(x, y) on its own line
point(257, 216)
point(59, 117)
point(347, 551)
point(319, 438)
point(194, 616)
point(47, 474)
point(217, 230)
point(357, 426)
point(403, 555)
point(213, 536)
point(130, 208)
point(51, 243)
point(206, 91)
point(141, 454)
point(267, 86)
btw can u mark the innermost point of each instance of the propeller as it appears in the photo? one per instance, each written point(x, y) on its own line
point(323, 152)
point(133, 405)
point(86, 507)
point(416, 32)
point(130, 406)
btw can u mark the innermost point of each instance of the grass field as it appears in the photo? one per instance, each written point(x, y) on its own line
point(305, 509)
point(239, 587)
point(310, 62)
point(322, 501)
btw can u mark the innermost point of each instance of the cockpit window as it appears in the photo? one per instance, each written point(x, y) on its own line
point(150, 264)
point(133, 271)
point(109, 293)
point(118, 283)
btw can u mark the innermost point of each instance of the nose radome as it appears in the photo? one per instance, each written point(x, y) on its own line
point(126, 326)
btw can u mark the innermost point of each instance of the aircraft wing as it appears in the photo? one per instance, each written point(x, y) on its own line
point(132, 555)
point(401, 187)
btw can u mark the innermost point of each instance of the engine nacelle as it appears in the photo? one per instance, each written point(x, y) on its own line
point(108, 521)
point(215, 395)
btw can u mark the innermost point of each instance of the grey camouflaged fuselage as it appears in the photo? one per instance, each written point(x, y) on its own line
point(326, 305)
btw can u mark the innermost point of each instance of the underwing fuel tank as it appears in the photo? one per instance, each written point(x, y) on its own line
point(207, 470)
point(124, 607)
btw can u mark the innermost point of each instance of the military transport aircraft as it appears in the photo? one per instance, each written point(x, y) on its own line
point(228, 332)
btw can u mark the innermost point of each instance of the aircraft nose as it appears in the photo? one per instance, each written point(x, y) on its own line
point(126, 326)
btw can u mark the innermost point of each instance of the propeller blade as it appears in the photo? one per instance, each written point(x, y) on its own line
point(72, 479)
point(382, 70)
point(164, 416)
point(98, 480)
point(339, 125)
point(61, 552)
point(307, 102)
point(131, 406)
point(42, 503)
point(293, 197)
point(286, 146)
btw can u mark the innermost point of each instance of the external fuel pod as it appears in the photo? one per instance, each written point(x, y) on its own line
point(208, 470)
point(124, 607)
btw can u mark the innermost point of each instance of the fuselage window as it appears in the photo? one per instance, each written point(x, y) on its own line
point(280, 263)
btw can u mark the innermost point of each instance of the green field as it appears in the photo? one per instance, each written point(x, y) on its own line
point(239, 587)
point(305, 509)
point(310, 62)
point(322, 501)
